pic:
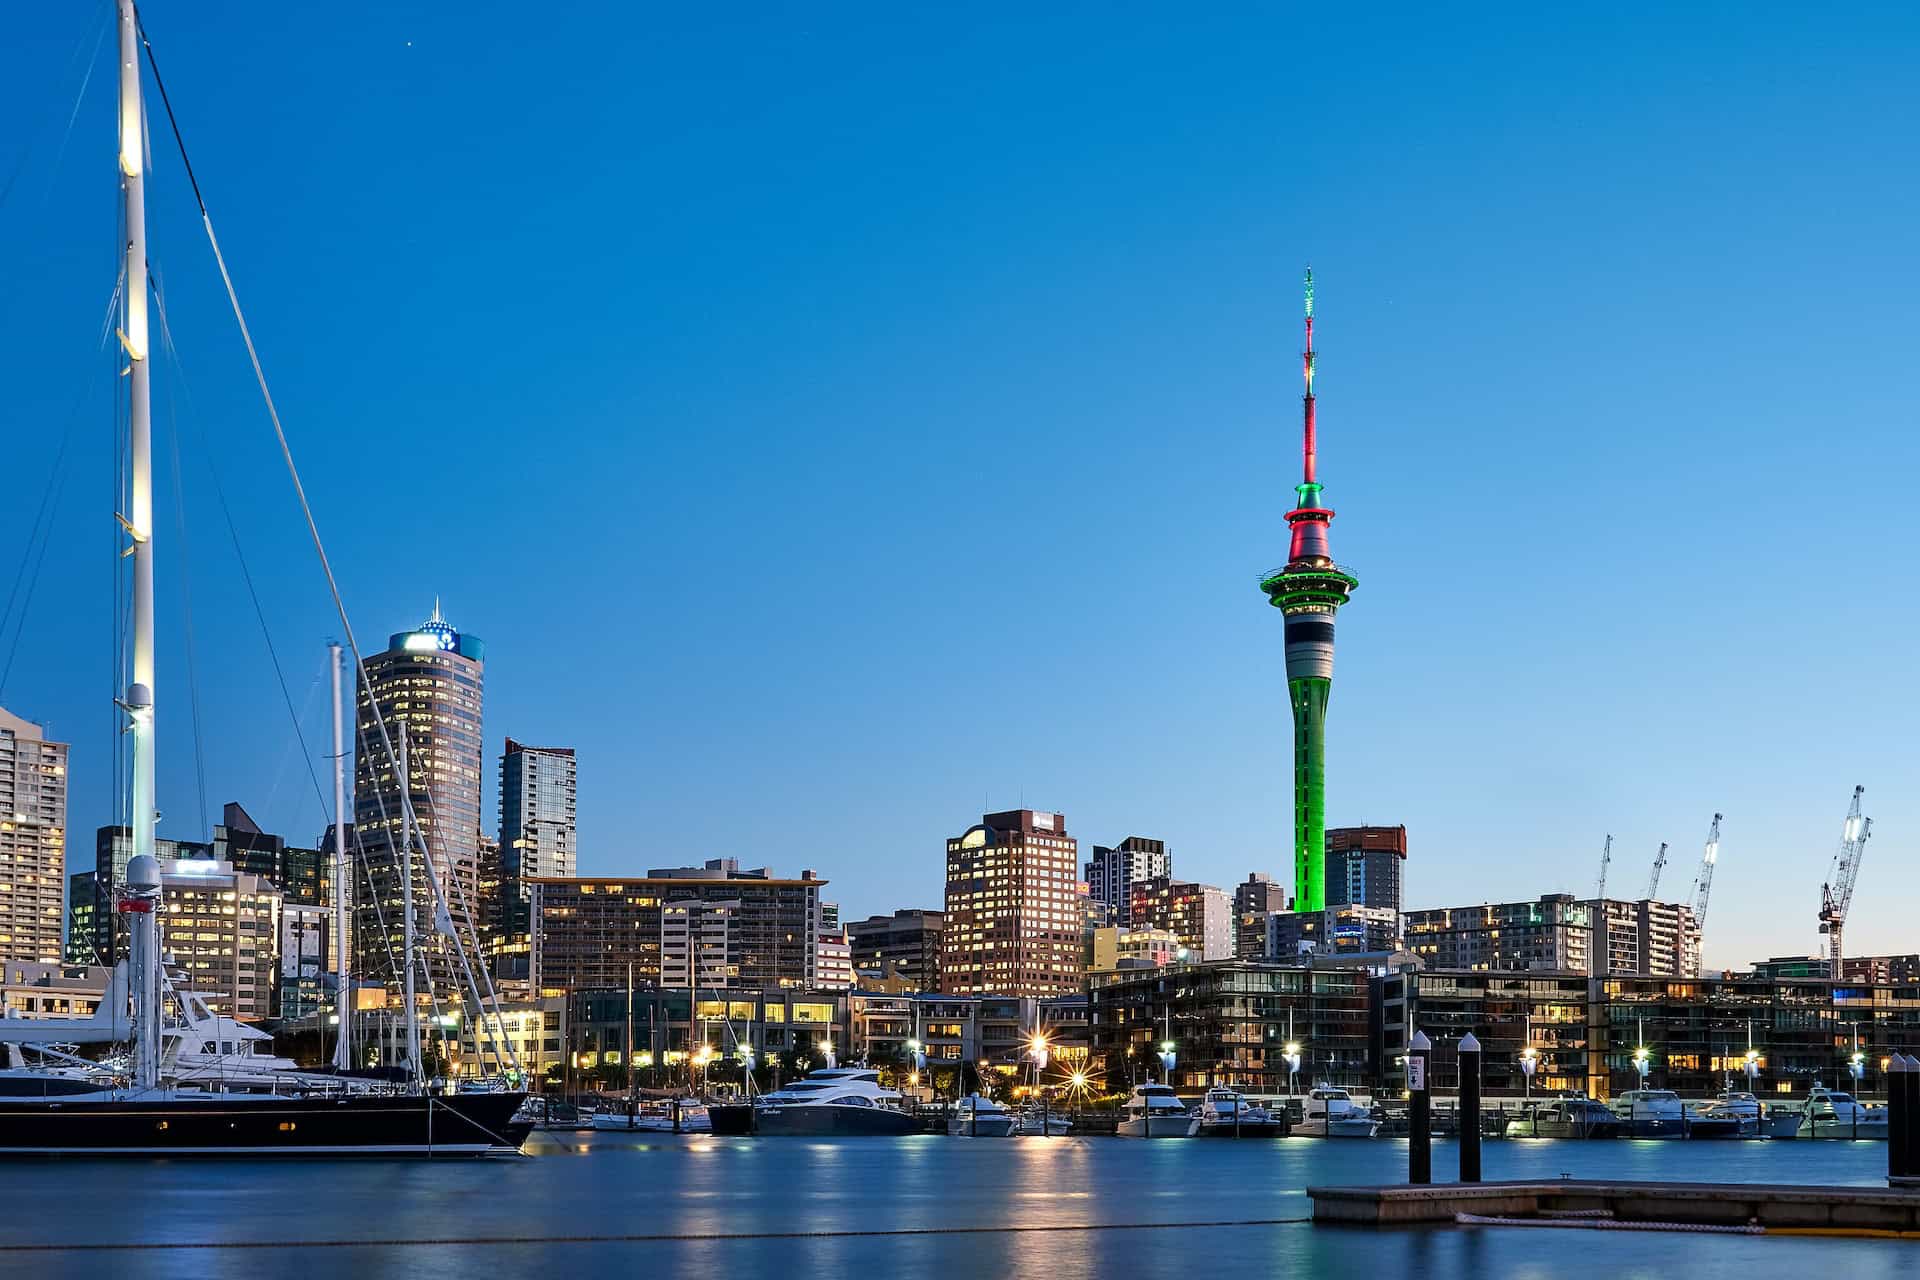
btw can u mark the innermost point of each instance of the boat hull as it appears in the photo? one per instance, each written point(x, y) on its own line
point(989, 1125)
point(1341, 1127)
point(829, 1121)
point(1570, 1129)
point(1167, 1126)
point(1874, 1129)
point(1265, 1127)
point(472, 1124)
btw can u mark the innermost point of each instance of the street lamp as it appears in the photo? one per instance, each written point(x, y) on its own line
point(1291, 1054)
point(1641, 1063)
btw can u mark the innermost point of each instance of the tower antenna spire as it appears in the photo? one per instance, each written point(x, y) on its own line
point(1309, 445)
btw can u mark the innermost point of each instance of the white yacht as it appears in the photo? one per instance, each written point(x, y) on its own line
point(1328, 1112)
point(836, 1101)
point(1828, 1113)
point(977, 1117)
point(677, 1115)
point(1155, 1111)
point(1650, 1113)
point(1227, 1112)
point(1037, 1122)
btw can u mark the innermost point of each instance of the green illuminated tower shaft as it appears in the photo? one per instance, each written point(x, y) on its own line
point(1309, 590)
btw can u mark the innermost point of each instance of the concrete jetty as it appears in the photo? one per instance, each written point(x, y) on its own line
point(1770, 1207)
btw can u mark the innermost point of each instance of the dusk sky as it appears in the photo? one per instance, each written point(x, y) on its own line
point(840, 421)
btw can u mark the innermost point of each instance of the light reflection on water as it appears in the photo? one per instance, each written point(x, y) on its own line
point(723, 1186)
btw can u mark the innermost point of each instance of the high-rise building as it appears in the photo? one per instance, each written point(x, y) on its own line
point(1309, 589)
point(83, 907)
point(1111, 873)
point(1366, 866)
point(1200, 915)
point(709, 926)
point(1254, 899)
point(906, 944)
point(430, 680)
point(33, 842)
point(221, 928)
point(539, 834)
point(1015, 920)
point(1646, 938)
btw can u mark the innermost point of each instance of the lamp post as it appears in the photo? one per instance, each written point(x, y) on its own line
point(1529, 1063)
point(1641, 1064)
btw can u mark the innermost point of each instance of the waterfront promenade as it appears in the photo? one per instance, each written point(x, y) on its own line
point(1061, 1208)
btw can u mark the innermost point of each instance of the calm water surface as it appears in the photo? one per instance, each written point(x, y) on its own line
point(706, 1187)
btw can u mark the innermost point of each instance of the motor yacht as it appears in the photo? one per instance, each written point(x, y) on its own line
point(1327, 1112)
point(977, 1117)
point(1226, 1113)
point(832, 1102)
point(1155, 1111)
point(1569, 1117)
point(1650, 1113)
point(1828, 1113)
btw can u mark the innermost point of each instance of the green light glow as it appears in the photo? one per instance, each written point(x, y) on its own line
point(1309, 697)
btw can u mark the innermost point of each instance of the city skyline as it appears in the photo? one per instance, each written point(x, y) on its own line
point(1619, 385)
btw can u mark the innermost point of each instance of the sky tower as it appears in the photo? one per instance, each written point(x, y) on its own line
point(1308, 591)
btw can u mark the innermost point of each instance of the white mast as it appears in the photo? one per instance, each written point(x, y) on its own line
point(142, 893)
point(343, 1003)
point(406, 907)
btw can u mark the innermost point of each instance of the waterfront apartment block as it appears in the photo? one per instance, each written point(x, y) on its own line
point(988, 1031)
point(33, 842)
point(716, 924)
point(833, 963)
point(1366, 866)
point(903, 946)
point(789, 1030)
point(1556, 934)
point(1112, 873)
point(1143, 948)
point(1585, 1031)
point(1552, 935)
point(432, 681)
point(1015, 919)
point(1198, 914)
point(1254, 899)
point(1230, 1022)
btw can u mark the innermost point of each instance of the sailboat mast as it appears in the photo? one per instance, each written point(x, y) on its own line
point(343, 1004)
point(138, 522)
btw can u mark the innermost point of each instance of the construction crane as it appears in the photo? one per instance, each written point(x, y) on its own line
point(1659, 865)
point(1836, 895)
point(1606, 856)
point(1703, 883)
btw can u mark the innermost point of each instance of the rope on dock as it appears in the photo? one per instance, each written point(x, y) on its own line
point(1610, 1224)
point(720, 1237)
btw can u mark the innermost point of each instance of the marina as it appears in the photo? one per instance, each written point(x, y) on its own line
point(1070, 1207)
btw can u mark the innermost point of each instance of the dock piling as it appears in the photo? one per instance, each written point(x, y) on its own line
point(1469, 1108)
point(1420, 1111)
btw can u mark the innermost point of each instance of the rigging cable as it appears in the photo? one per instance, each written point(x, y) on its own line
point(306, 508)
point(26, 152)
point(186, 586)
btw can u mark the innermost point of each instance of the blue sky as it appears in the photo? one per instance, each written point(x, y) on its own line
point(842, 421)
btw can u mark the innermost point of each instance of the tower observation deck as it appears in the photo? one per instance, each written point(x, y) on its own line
point(1309, 589)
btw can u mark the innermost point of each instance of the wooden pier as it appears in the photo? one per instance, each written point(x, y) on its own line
point(1637, 1205)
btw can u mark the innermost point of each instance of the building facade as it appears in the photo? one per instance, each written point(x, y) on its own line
point(33, 843)
point(82, 916)
point(1111, 873)
point(833, 961)
point(1884, 970)
point(29, 989)
point(1366, 866)
point(539, 836)
point(112, 846)
point(714, 926)
point(1015, 919)
point(1658, 939)
point(1198, 914)
point(220, 929)
point(1254, 899)
point(1337, 930)
point(302, 875)
point(1230, 1023)
point(1553, 934)
point(431, 680)
point(905, 945)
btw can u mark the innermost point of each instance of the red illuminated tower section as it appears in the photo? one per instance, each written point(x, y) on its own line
point(1309, 590)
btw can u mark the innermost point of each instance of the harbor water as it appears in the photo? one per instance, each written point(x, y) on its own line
point(1062, 1208)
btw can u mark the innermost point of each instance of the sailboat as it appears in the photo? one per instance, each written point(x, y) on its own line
point(146, 1113)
